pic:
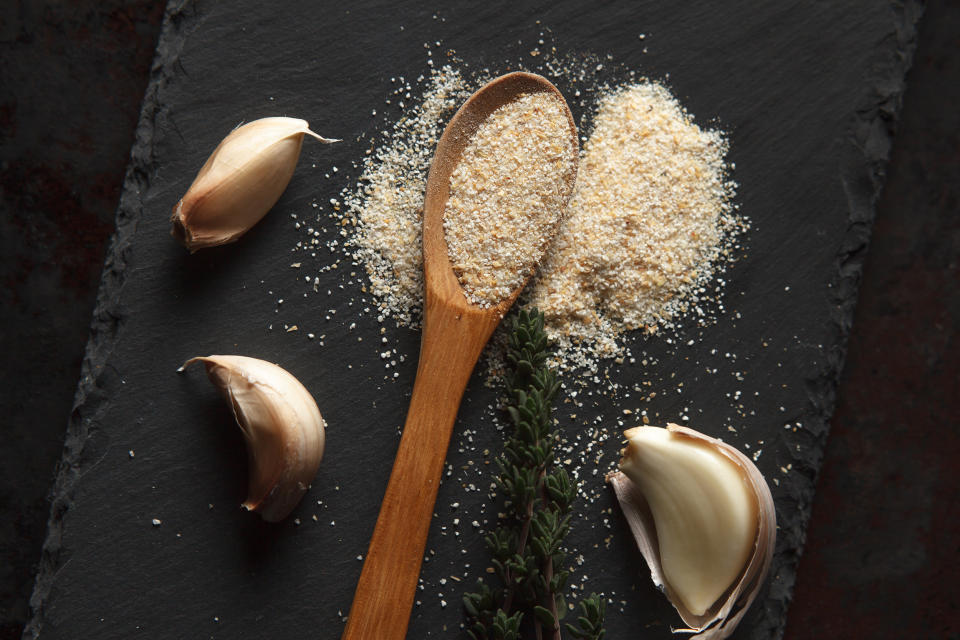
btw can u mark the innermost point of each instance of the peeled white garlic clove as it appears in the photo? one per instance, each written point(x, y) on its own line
point(704, 521)
point(281, 424)
point(243, 178)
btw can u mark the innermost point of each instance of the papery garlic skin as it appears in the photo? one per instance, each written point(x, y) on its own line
point(282, 426)
point(703, 509)
point(694, 505)
point(239, 183)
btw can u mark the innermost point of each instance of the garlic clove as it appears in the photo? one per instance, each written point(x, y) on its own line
point(241, 180)
point(703, 519)
point(281, 424)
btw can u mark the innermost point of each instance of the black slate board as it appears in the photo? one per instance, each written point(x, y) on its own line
point(809, 94)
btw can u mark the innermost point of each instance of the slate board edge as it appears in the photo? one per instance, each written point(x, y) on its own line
point(108, 312)
point(866, 153)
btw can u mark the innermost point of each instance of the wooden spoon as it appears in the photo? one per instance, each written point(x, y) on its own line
point(454, 334)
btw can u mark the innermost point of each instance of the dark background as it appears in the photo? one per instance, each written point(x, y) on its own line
point(882, 551)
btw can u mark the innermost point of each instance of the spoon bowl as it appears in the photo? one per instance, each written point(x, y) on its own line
point(441, 281)
point(454, 334)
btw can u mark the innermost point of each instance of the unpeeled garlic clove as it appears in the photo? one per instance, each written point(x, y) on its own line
point(703, 519)
point(281, 424)
point(241, 180)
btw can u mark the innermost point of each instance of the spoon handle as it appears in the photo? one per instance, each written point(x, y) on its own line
point(452, 342)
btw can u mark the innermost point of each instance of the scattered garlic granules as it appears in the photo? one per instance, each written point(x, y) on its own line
point(646, 223)
point(507, 194)
point(387, 206)
point(650, 223)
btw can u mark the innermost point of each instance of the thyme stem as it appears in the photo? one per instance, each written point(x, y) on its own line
point(527, 545)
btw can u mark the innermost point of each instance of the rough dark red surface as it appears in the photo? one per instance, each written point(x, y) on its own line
point(882, 548)
point(72, 75)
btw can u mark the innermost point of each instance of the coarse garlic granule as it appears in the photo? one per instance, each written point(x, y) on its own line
point(507, 194)
point(650, 224)
point(388, 203)
point(647, 221)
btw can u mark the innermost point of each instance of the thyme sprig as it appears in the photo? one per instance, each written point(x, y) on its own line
point(527, 545)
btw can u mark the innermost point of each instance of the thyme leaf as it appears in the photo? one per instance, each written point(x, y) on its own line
point(526, 547)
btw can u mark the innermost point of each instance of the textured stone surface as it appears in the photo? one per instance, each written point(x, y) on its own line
point(91, 443)
point(881, 551)
point(72, 77)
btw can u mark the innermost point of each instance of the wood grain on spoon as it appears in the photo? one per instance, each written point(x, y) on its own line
point(454, 334)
